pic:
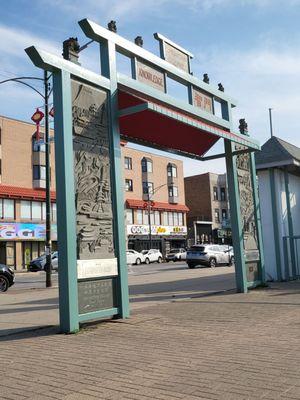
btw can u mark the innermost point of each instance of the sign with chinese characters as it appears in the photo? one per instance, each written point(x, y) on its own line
point(24, 231)
point(94, 295)
point(176, 57)
point(156, 230)
point(150, 76)
point(97, 268)
point(202, 101)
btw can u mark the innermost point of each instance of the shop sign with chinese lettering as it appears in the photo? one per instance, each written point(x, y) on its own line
point(202, 101)
point(176, 57)
point(150, 76)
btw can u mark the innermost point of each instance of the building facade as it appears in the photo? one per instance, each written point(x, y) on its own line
point(278, 171)
point(22, 193)
point(154, 185)
point(208, 217)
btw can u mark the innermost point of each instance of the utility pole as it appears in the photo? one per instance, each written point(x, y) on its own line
point(149, 219)
point(48, 266)
point(270, 116)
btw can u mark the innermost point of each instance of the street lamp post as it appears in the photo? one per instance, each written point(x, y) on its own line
point(45, 96)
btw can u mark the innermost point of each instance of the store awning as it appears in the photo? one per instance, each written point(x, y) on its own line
point(159, 206)
point(17, 192)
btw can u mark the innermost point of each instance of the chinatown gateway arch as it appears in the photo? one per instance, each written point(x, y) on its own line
point(92, 112)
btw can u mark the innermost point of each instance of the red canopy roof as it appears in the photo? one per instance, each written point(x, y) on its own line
point(133, 203)
point(16, 192)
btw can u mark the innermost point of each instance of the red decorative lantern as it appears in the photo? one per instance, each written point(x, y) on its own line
point(37, 118)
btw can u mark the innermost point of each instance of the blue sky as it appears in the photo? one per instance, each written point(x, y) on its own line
point(251, 46)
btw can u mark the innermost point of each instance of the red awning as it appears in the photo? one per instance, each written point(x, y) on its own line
point(164, 127)
point(16, 192)
point(133, 203)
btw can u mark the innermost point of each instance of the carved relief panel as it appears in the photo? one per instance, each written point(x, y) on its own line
point(92, 173)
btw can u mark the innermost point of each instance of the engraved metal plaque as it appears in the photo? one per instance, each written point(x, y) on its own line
point(176, 57)
point(202, 101)
point(94, 295)
point(150, 76)
point(92, 173)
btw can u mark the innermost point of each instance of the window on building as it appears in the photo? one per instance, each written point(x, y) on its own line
point(25, 209)
point(165, 218)
point(215, 191)
point(170, 219)
point(148, 188)
point(54, 212)
point(129, 217)
point(173, 191)
point(175, 218)
point(224, 215)
point(7, 208)
point(156, 217)
point(43, 211)
point(128, 185)
point(36, 210)
point(180, 219)
point(217, 215)
point(223, 194)
point(0, 166)
point(39, 172)
point(38, 145)
point(147, 165)
point(145, 217)
point(172, 170)
point(128, 162)
point(139, 217)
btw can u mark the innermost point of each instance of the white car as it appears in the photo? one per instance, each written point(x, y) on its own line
point(152, 255)
point(176, 255)
point(134, 257)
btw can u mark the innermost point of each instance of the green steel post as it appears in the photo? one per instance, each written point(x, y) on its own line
point(235, 215)
point(290, 222)
point(275, 224)
point(257, 216)
point(108, 69)
point(66, 215)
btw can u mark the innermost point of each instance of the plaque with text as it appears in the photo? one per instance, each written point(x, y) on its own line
point(94, 295)
point(150, 76)
point(202, 101)
point(176, 57)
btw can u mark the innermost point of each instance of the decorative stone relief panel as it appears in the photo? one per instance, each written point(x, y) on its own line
point(247, 206)
point(92, 173)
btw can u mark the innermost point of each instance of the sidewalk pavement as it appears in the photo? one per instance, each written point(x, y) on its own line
point(223, 346)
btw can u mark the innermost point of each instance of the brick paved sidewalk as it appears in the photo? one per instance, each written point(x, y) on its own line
point(227, 346)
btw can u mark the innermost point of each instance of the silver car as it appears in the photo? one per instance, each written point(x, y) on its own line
point(210, 255)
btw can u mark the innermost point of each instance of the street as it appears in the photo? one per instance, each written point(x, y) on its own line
point(28, 304)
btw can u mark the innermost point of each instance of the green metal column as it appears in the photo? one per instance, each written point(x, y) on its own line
point(66, 215)
point(257, 217)
point(235, 215)
point(275, 223)
point(108, 69)
point(290, 222)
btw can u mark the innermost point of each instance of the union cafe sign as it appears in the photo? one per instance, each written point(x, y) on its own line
point(150, 76)
point(156, 230)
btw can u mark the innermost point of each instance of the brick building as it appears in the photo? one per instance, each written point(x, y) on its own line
point(22, 193)
point(207, 199)
point(154, 183)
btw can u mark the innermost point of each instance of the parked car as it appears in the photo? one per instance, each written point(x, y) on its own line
point(210, 255)
point(152, 255)
point(39, 263)
point(176, 255)
point(134, 257)
point(7, 277)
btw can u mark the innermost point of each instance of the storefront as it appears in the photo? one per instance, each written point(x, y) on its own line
point(163, 237)
point(22, 242)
